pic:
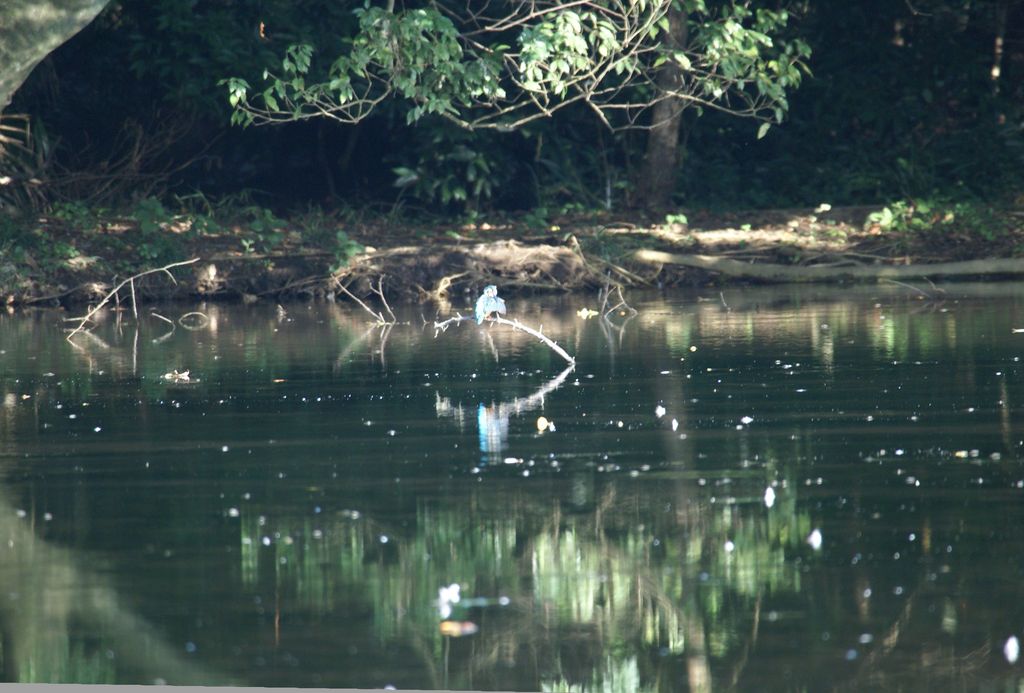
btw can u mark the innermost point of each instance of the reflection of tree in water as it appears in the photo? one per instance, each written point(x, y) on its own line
point(608, 592)
point(62, 622)
point(641, 586)
point(493, 420)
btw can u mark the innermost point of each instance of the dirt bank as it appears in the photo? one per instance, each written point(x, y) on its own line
point(568, 254)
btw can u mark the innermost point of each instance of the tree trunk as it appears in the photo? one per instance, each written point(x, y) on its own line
point(658, 174)
point(772, 272)
point(32, 29)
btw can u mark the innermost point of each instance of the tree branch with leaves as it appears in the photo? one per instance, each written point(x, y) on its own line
point(503, 65)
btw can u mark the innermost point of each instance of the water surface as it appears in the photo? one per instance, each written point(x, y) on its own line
point(759, 489)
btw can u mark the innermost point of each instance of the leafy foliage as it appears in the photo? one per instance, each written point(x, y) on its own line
point(901, 104)
point(453, 167)
point(503, 72)
point(961, 219)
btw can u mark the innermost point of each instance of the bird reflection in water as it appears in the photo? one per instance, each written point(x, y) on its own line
point(493, 420)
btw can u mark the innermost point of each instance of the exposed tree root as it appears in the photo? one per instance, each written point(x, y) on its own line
point(508, 264)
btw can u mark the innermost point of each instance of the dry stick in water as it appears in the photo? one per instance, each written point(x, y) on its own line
point(378, 316)
point(113, 292)
point(514, 324)
point(621, 304)
point(380, 292)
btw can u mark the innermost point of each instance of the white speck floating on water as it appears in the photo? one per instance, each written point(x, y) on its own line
point(814, 539)
point(446, 596)
point(1011, 649)
point(747, 420)
point(659, 411)
point(729, 547)
point(769, 497)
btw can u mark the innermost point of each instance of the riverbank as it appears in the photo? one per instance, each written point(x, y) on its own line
point(293, 260)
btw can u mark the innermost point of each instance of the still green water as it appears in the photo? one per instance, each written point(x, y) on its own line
point(764, 489)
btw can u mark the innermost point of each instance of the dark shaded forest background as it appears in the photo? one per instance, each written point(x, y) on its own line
point(905, 100)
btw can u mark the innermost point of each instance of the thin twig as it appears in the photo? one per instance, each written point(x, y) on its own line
point(908, 286)
point(113, 292)
point(621, 304)
point(380, 292)
point(379, 317)
point(445, 324)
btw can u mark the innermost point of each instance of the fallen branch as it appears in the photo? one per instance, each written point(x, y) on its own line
point(114, 292)
point(789, 273)
point(514, 324)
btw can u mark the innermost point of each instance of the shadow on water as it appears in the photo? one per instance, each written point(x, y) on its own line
point(761, 489)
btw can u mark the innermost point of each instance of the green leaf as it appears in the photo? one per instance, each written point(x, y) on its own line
point(763, 130)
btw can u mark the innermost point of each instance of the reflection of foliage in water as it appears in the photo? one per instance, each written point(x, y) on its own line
point(629, 573)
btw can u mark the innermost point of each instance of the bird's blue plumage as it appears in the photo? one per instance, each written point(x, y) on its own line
point(489, 302)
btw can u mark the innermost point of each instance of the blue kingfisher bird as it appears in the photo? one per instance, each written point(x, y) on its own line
point(488, 303)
